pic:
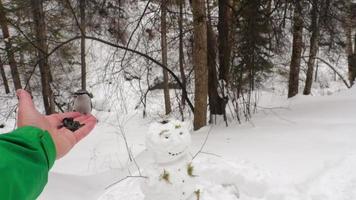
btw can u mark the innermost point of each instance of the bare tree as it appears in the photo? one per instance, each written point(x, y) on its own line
point(42, 51)
point(4, 79)
point(216, 103)
point(224, 37)
point(314, 46)
point(8, 48)
point(297, 49)
point(200, 63)
point(351, 53)
point(82, 5)
point(167, 101)
point(181, 52)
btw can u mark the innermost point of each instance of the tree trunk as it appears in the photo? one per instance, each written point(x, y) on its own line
point(352, 71)
point(224, 36)
point(181, 53)
point(8, 48)
point(355, 43)
point(297, 50)
point(40, 30)
point(4, 79)
point(26, 71)
point(353, 62)
point(82, 5)
point(314, 47)
point(167, 101)
point(216, 103)
point(316, 72)
point(212, 72)
point(200, 63)
point(350, 54)
point(349, 49)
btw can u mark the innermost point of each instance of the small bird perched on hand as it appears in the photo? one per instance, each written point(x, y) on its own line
point(82, 102)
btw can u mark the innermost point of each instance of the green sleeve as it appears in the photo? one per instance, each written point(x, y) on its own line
point(26, 156)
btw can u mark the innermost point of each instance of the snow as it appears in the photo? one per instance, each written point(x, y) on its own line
point(297, 149)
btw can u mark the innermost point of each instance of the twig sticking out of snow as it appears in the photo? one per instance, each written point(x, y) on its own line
point(204, 143)
point(109, 186)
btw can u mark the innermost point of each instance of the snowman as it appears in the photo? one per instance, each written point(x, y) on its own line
point(171, 175)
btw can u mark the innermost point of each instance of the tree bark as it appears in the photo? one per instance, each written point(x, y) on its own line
point(41, 39)
point(353, 62)
point(355, 43)
point(216, 103)
point(167, 101)
point(4, 79)
point(82, 5)
point(8, 48)
point(181, 53)
point(297, 50)
point(314, 47)
point(349, 50)
point(200, 63)
point(224, 36)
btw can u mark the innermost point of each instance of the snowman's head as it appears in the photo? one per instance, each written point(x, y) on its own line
point(168, 140)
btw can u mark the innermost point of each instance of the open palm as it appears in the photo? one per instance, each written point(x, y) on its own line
point(63, 138)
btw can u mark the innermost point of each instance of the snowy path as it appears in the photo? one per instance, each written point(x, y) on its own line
point(305, 150)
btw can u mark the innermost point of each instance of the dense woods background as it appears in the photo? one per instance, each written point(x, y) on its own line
point(215, 55)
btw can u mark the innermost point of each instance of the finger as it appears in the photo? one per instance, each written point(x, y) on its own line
point(26, 108)
point(25, 100)
point(86, 129)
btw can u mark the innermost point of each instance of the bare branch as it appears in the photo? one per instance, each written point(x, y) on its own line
point(119, 47)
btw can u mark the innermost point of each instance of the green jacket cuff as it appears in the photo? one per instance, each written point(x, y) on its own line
point(32, 134)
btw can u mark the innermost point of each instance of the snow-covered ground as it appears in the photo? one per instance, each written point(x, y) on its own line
point(297, 149)
point(303, 148)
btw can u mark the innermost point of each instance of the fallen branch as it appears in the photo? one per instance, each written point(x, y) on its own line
point(334, 69)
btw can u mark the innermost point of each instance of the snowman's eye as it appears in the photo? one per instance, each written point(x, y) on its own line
point(181, 133)
point(167, 137)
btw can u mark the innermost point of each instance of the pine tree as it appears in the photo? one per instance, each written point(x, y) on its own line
point(253, 44)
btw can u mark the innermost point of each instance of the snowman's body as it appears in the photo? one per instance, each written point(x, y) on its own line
point(171, 175)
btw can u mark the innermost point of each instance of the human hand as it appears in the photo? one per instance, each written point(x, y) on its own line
point(63, 138)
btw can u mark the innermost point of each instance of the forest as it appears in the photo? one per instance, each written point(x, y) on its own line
point(223, 50)
point(246, 76)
